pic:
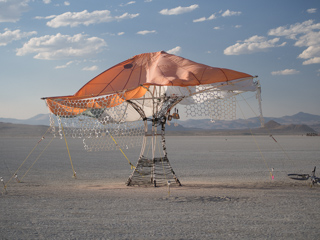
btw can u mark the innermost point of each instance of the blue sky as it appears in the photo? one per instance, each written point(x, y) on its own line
point(53, 47)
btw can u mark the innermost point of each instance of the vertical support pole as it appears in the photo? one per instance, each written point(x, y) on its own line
point(154, 142)
point(144, 140)
point(258, 96)
point(163, 140)
point(164, 148)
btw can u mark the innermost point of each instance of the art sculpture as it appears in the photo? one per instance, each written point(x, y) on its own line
point(129, 105)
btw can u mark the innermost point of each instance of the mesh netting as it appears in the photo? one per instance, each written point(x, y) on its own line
point(215, 104)
point(109, 122)
point(100, 128)
point(97, 136)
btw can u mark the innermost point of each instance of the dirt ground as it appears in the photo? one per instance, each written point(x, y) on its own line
point(201, 210)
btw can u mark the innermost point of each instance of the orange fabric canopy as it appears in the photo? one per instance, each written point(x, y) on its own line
point(158, 68)
point(72, 106)
point(131, 78)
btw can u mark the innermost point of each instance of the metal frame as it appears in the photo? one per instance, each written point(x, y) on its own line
point(154, 170)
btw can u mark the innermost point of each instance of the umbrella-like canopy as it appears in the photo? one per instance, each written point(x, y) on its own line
point(157, 68)
point(132, 78)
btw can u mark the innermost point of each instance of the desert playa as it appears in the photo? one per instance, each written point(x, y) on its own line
point(226, 192)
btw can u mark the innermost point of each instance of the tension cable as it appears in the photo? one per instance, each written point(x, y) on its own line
point(15, 173)
point(262, 156)
point(36, 159)
point(269, 132)
point(131, 165)
point(65, 139)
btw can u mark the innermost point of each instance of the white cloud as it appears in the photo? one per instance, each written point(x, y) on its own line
point(92, 68)
point(252, 45)
point(126, 4)
point(311, 38)
point(52, 47)
point(199, 19)
point(66, 3)
point(74, 19)
point(312, 10)
point(237, 26)
point(47, 17)
point(46, 1)
point(229, 13)
point(64, 66)
point(9, 36)
point(305, 34)
point(217, 28)
point(213, 16)
point(146, 32)
point(285, 72)
point(175, 51)
point(293, 30)
point(310, 52)
point(178, 10)
point(10, 11)
point(120, 33)
point(312, 61)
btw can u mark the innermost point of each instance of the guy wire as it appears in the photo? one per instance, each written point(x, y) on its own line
point(65, 139)
point(285, 153)
point(264, 160)
point(37, 159)
point(27, 157)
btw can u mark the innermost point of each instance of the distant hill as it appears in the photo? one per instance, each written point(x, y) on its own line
point(272, 124)
point(276, 128)
point(299, 118)
point(272, 127)
point(313, 121)
point(40, 119)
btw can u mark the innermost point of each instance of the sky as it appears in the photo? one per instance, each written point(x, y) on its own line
point(53, 47)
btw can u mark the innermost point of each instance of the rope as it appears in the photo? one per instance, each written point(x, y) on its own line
point(248, 106)
point(262, 156)
point(264, 160)
point(5, 185)
point(131, 165)
point(65, 139)
point(269, 132)
point(37, 159)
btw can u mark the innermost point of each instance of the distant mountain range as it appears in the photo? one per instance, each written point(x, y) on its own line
point(40, 119)
point(299, 118)
point(293, 122)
